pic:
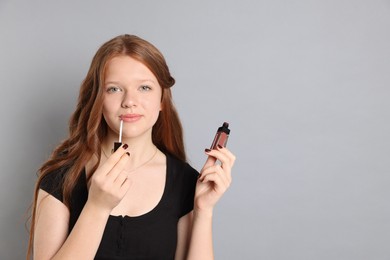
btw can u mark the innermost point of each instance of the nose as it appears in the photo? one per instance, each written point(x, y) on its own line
point(129, 99)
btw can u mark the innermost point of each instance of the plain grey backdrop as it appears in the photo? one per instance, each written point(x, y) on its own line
point(304, 85)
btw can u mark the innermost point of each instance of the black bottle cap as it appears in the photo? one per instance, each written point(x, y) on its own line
point(224, 128)
point(117, 145)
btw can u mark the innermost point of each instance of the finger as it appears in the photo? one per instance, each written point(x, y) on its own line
point(228, 154)
point(216, 169)
point(126, 185)
point(113, 159)
point(119, 166)
point(121, 178)
point(212, 169)
point(223, 155)
point(219, 184)
point(123, 186)
point(210, 159)
point(223, 170)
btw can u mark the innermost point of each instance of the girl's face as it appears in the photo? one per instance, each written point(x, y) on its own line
point(131, 93)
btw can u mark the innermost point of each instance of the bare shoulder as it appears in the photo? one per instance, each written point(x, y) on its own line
point(45, 202)
point(51, 225)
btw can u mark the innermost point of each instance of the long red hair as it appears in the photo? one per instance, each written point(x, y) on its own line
point(87, 127)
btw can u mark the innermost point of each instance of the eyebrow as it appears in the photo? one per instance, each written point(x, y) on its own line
point(140, 80)
point(111, 82)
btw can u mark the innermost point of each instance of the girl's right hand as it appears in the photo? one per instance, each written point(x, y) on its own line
point(109, 183)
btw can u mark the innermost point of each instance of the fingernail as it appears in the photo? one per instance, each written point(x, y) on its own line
point(207, 150)
point(220, 146)
point(125, 146)
point(128, 153)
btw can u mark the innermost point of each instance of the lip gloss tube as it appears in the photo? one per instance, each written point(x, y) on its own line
point(221, 137)
point(119, 143)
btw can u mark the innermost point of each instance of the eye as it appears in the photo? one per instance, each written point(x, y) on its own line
point(113, 89)
point(145, 88)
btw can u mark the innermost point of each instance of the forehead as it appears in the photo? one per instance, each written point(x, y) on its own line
point(127, 68)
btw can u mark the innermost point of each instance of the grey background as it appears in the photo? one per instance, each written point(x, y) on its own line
point(304, 84)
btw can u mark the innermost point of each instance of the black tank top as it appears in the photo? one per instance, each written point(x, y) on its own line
point(149, 236)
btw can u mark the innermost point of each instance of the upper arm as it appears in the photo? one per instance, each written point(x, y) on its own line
point(184, 228)
point(51, 225)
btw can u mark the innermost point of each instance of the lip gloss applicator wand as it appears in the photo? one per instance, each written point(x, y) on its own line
point(119, 143)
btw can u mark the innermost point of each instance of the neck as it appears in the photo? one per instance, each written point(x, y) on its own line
point(141, 150)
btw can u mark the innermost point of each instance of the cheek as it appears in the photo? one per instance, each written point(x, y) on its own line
point(106, 110)
point(154, 109)
point(110, 104)
point(109, 109)
point(153, 103)
point(158, 106)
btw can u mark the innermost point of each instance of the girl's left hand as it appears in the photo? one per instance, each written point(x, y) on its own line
point(214, 179)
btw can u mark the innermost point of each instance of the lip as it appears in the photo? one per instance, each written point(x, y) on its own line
point(130, 117)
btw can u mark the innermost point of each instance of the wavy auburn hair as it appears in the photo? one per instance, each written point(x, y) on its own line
point(87, 127)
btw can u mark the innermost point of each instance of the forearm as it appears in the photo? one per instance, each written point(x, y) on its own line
point(85, 237)
point(201, 242)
